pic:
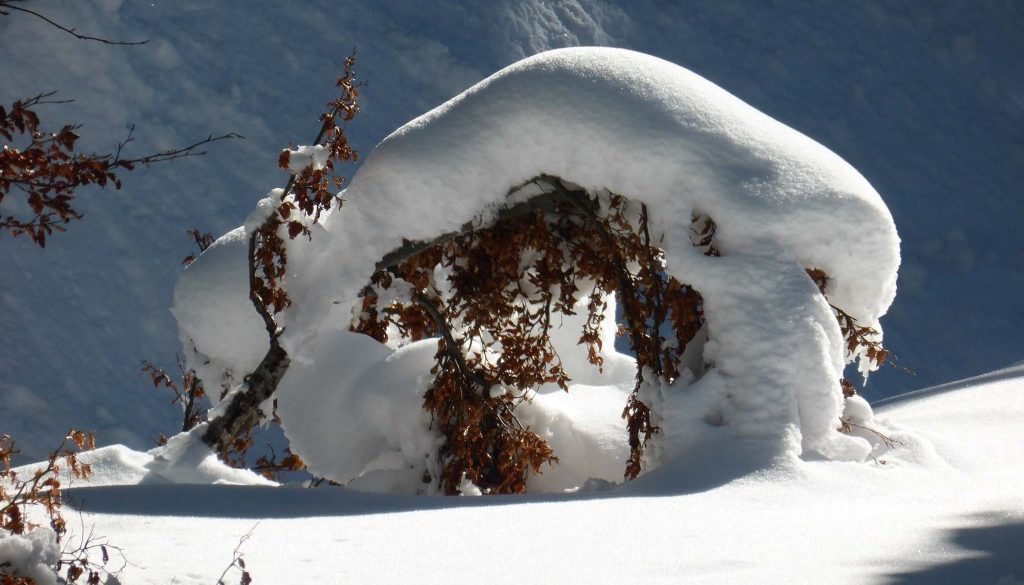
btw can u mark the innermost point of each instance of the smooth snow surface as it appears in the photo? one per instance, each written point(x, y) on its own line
point(943, 507)
point(608, 120)
point(638, 126)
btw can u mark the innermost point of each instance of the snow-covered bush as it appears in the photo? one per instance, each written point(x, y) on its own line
point(33, 553)
point(29, 559)
point(610, 177)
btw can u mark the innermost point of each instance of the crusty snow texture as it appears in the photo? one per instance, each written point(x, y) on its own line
point(604, 119)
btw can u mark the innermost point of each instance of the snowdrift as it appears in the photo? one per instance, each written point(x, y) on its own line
point(941, 506)
point(609, 121)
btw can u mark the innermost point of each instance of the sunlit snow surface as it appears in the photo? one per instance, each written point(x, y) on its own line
point(945, 507)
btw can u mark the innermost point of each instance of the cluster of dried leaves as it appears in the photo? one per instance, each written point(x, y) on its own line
point(42, 492)
point(47, 170)
point(270, 466)
point(650, 300)
point(493, 315)
point(305, 197)
point(43, 488)
point(859, 339)
point(202, 241)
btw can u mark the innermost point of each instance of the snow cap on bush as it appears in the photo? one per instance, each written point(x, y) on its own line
point(606, 120)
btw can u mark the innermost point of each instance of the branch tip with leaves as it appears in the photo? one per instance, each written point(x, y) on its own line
point(305, 197)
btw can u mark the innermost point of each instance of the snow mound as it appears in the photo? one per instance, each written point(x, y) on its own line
point(185, 459)
point(221, 333)
point(607, 120)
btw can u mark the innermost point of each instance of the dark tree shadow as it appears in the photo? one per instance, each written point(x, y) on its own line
point(997, 556)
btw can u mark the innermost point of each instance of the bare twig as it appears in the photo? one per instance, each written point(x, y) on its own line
point(166, 155)
point(889, 441)
point(9, 5)
point(237, 560)
point(40, 100)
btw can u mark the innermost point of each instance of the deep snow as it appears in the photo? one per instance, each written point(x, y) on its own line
point(944, 507)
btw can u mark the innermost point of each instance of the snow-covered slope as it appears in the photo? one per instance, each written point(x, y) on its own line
point(926, 101)
point(941, 507)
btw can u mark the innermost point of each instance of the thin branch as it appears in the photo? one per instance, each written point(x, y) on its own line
point(20, 182)
point(268, 320)
point(657, 293)
point(70, 31)
point(125, 142)
point(40, 99)
point(168, 154)
point(889, 441)
point(452, 348)
point(236, 557)
point(895, 362)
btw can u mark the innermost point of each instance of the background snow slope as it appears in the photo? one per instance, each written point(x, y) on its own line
point(925, 100)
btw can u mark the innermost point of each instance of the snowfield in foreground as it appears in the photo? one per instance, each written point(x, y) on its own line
point(945, 507)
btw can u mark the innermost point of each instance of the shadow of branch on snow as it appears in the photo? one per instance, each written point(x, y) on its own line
point(995, 556)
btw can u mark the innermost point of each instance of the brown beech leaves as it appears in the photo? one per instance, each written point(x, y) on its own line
point(41, 492)
point(553, 255)
point(490, 293)
point(306, 196)
point(47, 171)
point(856, 336)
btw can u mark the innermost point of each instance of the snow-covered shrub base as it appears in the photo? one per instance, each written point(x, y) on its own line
point(185, 459)
point(32, 555)
point(607, 120)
